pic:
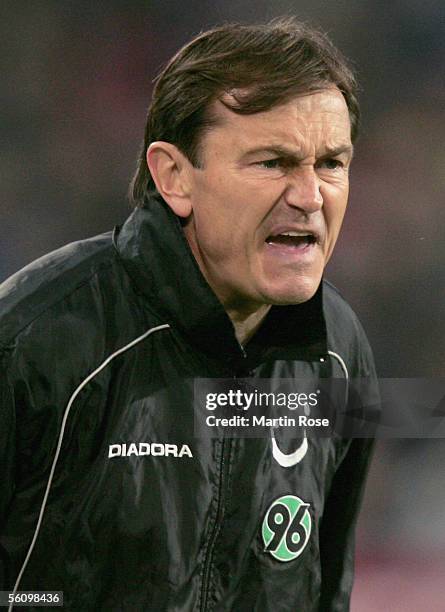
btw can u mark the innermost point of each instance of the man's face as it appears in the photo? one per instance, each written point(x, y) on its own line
point(269, 200)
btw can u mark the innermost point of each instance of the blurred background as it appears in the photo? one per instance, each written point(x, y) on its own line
point(76, 81)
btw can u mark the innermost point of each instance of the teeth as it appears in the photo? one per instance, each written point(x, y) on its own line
point(294, 234)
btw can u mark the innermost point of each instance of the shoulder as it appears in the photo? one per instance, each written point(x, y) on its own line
point(48, 281)
point(337, 310)
point(346, 336)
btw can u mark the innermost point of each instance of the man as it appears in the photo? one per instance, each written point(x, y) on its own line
point(240, 193)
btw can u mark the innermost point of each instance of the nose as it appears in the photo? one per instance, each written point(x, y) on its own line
point(303, 190)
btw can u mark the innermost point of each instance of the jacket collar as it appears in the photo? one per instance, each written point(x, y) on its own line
point(157, 256)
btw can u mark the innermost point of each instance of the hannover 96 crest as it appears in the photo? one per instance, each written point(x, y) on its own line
point(286, 528)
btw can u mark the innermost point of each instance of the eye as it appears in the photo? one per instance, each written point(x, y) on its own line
point(276, 162)
point(331, 164)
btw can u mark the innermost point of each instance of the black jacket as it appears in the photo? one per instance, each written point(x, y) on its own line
point(98, 344)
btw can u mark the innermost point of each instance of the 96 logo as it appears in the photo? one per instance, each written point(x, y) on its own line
point(286, 528)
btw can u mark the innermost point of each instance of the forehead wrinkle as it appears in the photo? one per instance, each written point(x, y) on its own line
point(297, 133)
point(297, 145)
point(297, 154)
point(293, 129)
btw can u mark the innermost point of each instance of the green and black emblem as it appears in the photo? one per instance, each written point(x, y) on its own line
point(286, 528)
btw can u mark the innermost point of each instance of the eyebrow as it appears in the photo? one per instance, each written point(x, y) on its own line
point(281, 151)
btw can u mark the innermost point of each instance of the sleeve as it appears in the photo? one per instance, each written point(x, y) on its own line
point(7, 454)
point(337, 529)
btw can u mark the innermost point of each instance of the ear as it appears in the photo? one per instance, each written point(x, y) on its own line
point(169, 169)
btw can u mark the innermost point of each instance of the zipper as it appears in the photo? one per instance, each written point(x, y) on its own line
point(226, 448)
point(226, 445)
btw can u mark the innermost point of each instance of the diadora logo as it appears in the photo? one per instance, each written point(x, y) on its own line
point(155, 449)
point(290, 459)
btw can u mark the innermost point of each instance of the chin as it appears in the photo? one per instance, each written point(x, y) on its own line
point(296, 294)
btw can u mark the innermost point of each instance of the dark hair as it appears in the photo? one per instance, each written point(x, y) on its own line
point(260, 66)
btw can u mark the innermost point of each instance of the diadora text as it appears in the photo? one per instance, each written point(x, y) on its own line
point(155, 449)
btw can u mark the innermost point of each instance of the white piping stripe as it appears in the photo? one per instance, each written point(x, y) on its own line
point(345, 372)
point(59, 443)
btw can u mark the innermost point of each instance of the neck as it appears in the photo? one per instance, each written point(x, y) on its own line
point(246, 319)
point(246, 323)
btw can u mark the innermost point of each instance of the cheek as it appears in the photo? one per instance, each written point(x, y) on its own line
point(219, 228)
point(334, 212)
point(228, 212)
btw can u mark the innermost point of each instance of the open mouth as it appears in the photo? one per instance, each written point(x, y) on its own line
point(292, 239)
